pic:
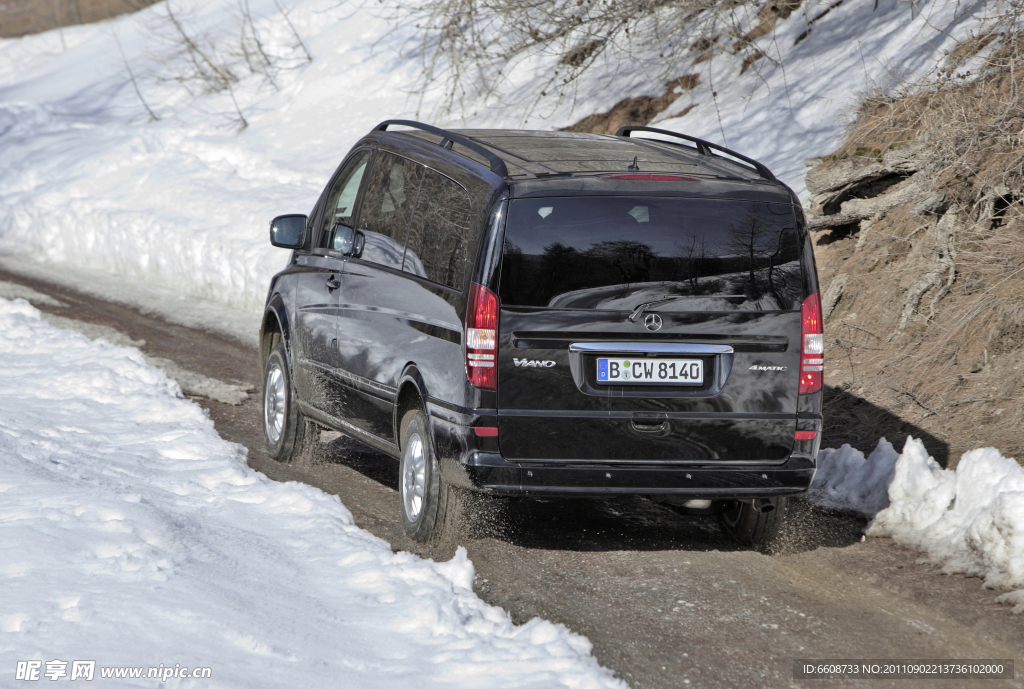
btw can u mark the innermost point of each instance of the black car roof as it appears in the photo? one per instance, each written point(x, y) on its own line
point(547, 163)
point(532, 154)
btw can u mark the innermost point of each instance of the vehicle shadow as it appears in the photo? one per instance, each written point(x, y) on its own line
point(619, 523)
point(854, 420)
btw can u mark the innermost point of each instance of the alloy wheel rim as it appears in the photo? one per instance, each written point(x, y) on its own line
point(274, 403)
point(414, 477)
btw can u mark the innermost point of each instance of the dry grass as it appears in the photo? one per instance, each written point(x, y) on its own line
point(970, 116)
point(22, 17)
point(930, 324)
point(955, 375)
point(636, 111)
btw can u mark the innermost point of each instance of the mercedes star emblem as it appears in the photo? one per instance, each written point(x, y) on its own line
point(653, 322)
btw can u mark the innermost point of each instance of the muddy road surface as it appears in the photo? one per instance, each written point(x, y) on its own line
point(665, 599)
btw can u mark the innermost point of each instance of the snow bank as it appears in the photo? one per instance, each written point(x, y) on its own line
point(968, 521)
point(182, 203)
point(845, 480)
point(88, 184)
point(131, 534)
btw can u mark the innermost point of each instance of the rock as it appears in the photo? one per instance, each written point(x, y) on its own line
point(817, 222)
point(907, 157)
point(908, 191)
point(865, 230)
point(832, 294)
point(932, 204)
point(843, 174)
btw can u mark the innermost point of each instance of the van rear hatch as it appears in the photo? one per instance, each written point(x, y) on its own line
point(649, 330)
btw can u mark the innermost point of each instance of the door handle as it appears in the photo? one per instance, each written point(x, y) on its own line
point(332, 283)
point(649, 423)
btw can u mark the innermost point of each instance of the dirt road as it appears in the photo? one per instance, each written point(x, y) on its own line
point(665, 599)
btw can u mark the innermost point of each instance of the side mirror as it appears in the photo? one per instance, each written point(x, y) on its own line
point(343, 238)
point(347, 241)
point(288, 231)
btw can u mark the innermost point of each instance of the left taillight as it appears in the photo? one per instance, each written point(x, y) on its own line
point(812, 345)
point(482, 337)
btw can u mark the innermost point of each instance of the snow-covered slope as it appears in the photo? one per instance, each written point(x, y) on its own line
point(87, 182)
point(132, 535)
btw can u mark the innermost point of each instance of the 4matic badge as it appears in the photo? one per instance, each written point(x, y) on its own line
point(533, 363)
point(757, 367)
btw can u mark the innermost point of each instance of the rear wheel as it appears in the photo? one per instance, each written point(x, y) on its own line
point(290, 436)
point(754, 522)
point(424, 497)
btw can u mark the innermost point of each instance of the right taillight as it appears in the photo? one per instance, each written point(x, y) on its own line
point(482, 337)
point(812, 345)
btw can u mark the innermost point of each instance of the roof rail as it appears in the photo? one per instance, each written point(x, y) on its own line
point(703, 147)
point(497, 164)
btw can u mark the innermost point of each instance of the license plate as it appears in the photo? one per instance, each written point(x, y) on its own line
point(650, 371)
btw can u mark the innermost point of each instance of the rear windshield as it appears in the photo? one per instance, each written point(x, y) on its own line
point(619, 252)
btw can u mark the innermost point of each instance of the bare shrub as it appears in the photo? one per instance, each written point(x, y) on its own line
point(205, 63)
point(299, 43)
point(135, 82)
point(470, 47)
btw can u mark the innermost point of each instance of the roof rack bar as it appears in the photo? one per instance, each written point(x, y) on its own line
point(703, 147)
point(497, 165)
point(706, 162)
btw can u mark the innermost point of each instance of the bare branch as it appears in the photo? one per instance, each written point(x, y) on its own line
point(135, 85)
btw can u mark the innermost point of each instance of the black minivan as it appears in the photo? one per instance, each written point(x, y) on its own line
point(553, 314)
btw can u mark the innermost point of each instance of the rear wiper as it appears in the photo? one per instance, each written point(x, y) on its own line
point(639, 311)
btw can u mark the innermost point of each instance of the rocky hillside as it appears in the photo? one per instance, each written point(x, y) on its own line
point(919, 235)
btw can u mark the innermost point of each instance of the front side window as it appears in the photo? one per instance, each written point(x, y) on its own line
point(441, 232)
point(616, 252)
point(341, 201)
point(390, 198)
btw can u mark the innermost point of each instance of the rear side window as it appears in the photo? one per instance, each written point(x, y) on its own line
point(441, 233)
point(387, 207)
point(616, 253)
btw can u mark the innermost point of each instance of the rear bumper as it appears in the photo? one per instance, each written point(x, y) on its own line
point(474, 462)
point(491, 473)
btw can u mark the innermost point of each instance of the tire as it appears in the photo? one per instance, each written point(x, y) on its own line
point(291, 437)
point(753, 527)
point(424, 497)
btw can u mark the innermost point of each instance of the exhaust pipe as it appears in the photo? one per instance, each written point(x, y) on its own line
point(764, 505)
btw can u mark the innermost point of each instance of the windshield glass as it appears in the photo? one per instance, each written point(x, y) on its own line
point(615, 253)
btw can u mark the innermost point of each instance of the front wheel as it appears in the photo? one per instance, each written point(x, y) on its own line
point(754, 522)
point(424, 497)
point(290, 436)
